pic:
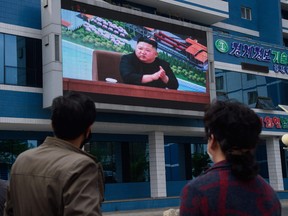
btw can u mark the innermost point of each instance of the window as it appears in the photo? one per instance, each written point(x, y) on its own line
point(284, 14)
point(251, 77)
point(57, 48)
point(261, 157)
point(219, 83)
point(237, 87)
point(20, 61)
point(285, 42)
point(246, 13)
point(265, 103)
point(9, 150)
point(252, 97)
point(122, 161)
point(184, 161)
point(222, 96)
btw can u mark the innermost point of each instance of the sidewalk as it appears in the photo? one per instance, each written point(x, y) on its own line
point(141, 212)
point(284, 203)
point(159, 212)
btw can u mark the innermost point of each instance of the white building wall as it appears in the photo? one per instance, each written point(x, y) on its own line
point(274, 163)
point(51, 49)
point(157, 164)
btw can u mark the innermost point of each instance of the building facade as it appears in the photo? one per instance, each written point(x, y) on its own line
point(150, 141)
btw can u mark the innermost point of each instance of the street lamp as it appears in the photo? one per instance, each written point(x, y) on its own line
point(284, 140)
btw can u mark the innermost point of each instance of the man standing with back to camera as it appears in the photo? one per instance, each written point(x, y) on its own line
point(232, 185)
point(143, 67)
point(58, 178)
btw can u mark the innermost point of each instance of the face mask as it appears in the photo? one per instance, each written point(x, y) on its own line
point(86, 140)
point(210, 156)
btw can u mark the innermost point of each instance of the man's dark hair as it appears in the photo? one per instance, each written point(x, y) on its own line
point(237, 128)
point(147, 40)
point(72, 114)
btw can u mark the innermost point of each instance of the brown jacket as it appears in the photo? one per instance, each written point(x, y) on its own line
point(3, 191)
point(55, 178)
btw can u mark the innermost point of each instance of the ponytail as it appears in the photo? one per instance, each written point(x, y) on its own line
point(243, 163)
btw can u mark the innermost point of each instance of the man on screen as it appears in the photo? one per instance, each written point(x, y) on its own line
point(143, 67)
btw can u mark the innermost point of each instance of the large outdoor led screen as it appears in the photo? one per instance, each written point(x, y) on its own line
point(94, 39)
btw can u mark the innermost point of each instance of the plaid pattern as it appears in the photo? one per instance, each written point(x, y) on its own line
point(218, 193)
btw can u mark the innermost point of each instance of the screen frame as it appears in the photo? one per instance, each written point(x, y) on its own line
point(127, 94)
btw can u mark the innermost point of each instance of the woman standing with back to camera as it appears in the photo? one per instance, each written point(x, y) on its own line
point(232, 185)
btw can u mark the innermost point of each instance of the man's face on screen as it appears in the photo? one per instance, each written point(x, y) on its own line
point(145, 52)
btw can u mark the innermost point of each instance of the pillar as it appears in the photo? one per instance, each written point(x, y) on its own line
point(157, 165)
point(51, 51)
point(274, 163)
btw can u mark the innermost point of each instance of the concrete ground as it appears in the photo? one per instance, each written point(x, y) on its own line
point(142, 212)
point(159, 212)
point(284, 204)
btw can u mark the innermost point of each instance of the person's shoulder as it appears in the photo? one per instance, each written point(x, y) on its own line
point(85, 156)
point(162, 61)
point(266, 191)
point(74, 162)
point(195, 186)
point(212, 175)
point(129, 55)
point(264, 184)
point(202, 180)
point(127, 59)
point(83, 164)
point(27, 153)
point(82, 158)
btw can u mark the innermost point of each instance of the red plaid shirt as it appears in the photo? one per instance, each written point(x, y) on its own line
point(218, 193)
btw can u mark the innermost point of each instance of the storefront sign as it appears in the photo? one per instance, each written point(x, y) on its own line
point(278, 59)
point(275, 122)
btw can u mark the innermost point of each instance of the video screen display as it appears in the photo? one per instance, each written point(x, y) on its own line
point(94, 43)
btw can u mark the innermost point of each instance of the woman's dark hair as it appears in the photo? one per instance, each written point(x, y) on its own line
point(237, 128)
point(72, 114)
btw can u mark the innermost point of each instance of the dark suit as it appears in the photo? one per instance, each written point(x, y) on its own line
point(132, 71)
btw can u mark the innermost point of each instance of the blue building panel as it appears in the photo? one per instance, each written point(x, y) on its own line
point(235, 14)
point(25, 13)
point(270, 23)
point(265, 19)
point(24, 135)
point(148, 119)
point(133, 190)
point(172, 162)
point(233, 50)
point(22, 105)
